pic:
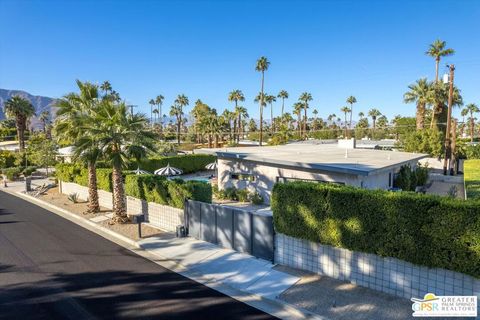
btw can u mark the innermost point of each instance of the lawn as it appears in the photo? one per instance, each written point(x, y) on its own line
point(472, 178)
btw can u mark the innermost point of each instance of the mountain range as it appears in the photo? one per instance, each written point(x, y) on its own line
point(40, 103)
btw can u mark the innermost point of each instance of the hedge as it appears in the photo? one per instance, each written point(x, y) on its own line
point(174, 192)
point(187, 163)
point(471, 169)
point(425, 230)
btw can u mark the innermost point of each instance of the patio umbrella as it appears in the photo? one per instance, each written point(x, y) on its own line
point(140, 171)
point(211, 166)
point(168, 171)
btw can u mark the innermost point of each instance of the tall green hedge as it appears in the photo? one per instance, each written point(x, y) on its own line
point(187, 163)
point(168, 192)
point(425, 230)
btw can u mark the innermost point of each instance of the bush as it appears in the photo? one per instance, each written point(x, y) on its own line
point(428, 141)
point(67, 171)
point(243, 195)
point(7, 159)
point(422, 229)
point(187, 163)
point(29, 170)
point(12, 173)
point(408, 179)
point(256, 198)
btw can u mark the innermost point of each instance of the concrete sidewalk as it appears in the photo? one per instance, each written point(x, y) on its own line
point(238, 270)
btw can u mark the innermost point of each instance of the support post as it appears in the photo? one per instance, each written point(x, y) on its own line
point(448, 150)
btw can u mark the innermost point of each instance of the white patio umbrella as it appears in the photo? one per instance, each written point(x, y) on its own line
point(211, 166)
point(168, 171)
point(140, 171)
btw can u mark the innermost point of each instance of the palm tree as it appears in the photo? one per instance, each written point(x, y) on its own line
point(297, 110)
point(270, 100)
point(120, 136)
point(159, 102)
point(19, 109)
point(283, 94)
point(437, 50)
point(156, 114)
point(106, 87)
point(235, 96)
point(374, 113)
point(305, 98)
point(463, 113)
point(240, 112)
point(438, 98)
point(74, 114)
point(45, 118)
point(351, 100)
point(419, 92)
point(345, 111)
point(152, 104)
point(177, 111)
point(472, 108)
point(262, 66)
point(361, 115)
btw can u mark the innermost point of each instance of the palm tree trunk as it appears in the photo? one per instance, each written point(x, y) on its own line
point(305, 122)
point(240, 129)
point(437, 62)
point(179, 123)
point(21, 133)
point(261, 111)
point(420, 116)
point(119, 204)
point(283, 105)
point(351, 113)
point(472, 127)
point(271, 118)
point(346, 132)
point(93, 205)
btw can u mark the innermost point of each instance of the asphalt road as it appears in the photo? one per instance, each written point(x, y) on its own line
point(50, 268)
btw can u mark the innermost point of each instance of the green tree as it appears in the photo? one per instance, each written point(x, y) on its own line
point(305, 97)
point(270, 100)
point(240, 112)
point(345, 111)
point(121, 136)
point(374, 114)
point(420, 93)
point(262, 66)
point(283, 94)
point(159, 102)
point(472, 108)
point(19, 109)
point(236, 96)
point(74, 114)
point(177, 111)
point(297, 110)
point(106, 87)
point(152, 104)
point(42, 151)
point(437, 50)
point(351, 100)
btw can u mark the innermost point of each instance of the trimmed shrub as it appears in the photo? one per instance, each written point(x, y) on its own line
point(187, 163)
point(12, 173)
point(104, 179)
point(29, 170)
point(67, 171)
point(422, 229)
point(256, 198)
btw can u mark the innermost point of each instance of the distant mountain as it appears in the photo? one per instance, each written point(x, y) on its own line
point(40, 104)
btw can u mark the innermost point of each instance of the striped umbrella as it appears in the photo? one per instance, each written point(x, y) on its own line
point(139, 171)
point(168, 171)
point(211, 166)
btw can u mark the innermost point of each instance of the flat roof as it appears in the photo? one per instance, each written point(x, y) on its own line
point(321, 157)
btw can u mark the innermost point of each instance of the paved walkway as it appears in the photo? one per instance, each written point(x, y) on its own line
point(240, 271)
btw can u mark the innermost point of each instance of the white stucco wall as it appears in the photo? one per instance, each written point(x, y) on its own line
point(266, 176)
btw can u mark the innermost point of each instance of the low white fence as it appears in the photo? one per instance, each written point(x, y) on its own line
point(163, 217)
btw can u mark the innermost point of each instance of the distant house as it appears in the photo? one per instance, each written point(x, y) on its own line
point(65, 154)
point(259, 168)
point(10, 145)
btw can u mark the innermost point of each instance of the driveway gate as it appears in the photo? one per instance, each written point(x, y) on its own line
point(243, 231)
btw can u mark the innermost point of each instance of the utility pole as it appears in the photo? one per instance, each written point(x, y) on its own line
point(448, 150)
point(131, 106)
point(453, 161)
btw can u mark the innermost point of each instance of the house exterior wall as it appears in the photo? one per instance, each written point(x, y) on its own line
point(265, 176)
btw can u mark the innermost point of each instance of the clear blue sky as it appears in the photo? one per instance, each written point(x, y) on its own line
point(204, 49)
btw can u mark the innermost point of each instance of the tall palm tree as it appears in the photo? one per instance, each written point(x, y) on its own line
point(351, 100)
point(345, 111)
point(283, 94)
point(19, 109)
point(74, 116)
point(463, 113)
point(159, 101)
point(270, 100)
point(45, 118)
point(438, 98)
point(156, 115)
point(177, 111)
point(305, 97)
point(121, 136)
point(106, 87)
point(297, 110)
point(472, 108)
point(152, 104)
point(262, 66)
point(419, 92)
point(438, 50)
point(240, 112)
point(235, 96)
point(374, 113)
point(361, 115)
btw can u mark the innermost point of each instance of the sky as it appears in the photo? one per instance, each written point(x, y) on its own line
point(205, 49)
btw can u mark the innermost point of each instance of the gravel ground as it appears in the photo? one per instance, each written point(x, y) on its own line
point(129, 230)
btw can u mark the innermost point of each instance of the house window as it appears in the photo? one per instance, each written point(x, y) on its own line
point(242, 176)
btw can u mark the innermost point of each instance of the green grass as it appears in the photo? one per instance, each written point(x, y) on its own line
point(471, 171)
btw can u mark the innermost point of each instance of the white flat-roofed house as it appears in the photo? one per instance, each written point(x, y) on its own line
point(259, 168)
point(10, 145)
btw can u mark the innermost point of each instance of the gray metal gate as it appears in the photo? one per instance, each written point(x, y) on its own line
point(243, 231)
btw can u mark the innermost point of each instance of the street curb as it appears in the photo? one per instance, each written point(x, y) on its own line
point(275, 307)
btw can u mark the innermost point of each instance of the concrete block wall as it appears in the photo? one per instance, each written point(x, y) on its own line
point(389, 275)
point(163, 217)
